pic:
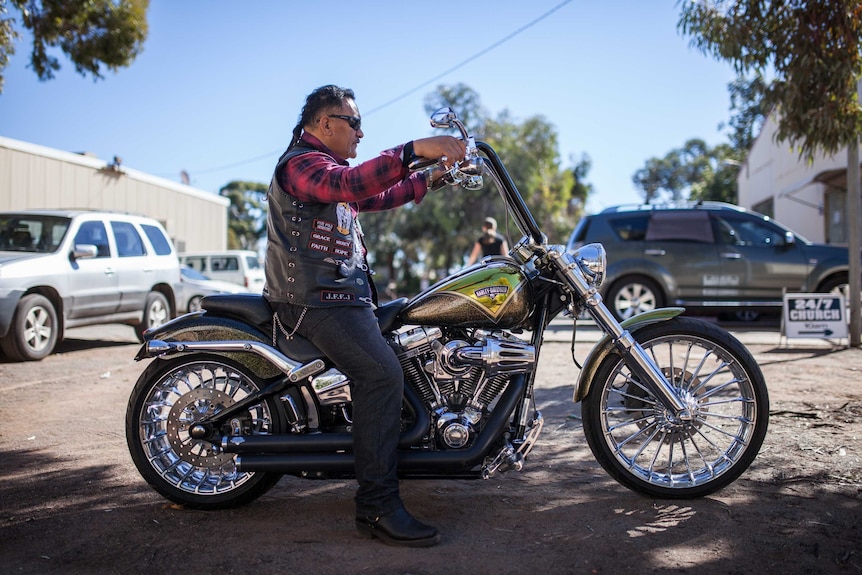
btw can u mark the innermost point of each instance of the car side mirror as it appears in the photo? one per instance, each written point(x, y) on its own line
point(84, 251)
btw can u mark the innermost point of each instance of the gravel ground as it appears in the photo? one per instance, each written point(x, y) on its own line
point(72, 501)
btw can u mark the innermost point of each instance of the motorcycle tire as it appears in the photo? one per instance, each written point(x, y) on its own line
point(644, 447)
point(169, 397)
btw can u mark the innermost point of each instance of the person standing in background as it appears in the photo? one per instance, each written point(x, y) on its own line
point(490, 243)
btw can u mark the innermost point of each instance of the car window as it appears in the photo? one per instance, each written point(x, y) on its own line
point(192, 273)
point(94, 233)
point(40, 234)
point(129, 243)
point(158, 240)
point(630, 228)
point(683, 225)
point(748, 232)
point(198, 263)
point(253, 262)
point(225, 263)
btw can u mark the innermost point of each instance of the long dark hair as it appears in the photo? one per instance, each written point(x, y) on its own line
point(323, 98)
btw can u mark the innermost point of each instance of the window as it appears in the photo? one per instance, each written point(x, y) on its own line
point(630, 228)
point(94, 233)
point(683, 225)
point(748, 232)
point(160, 243)
point(198, 263)
point(129, 243)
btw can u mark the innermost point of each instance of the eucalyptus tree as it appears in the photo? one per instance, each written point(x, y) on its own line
point(246, 214)
point(94, 34)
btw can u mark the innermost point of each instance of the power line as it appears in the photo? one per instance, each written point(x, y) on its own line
point(416, 88)
point(473, 57)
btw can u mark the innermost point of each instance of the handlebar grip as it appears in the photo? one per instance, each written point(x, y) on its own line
point(420, 163)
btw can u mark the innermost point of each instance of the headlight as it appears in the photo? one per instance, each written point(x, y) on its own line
point(592, 261)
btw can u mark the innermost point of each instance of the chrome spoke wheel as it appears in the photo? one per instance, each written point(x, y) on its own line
point(649, 448)
point(165, 408)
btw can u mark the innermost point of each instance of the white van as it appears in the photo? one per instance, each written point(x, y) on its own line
point(238, 266)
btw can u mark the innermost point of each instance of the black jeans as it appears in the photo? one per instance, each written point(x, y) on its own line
point(351, 338)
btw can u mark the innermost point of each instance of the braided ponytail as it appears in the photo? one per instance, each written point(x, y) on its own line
point(320, 100)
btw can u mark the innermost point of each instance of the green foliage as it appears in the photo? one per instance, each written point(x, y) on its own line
point(440, 232)
point(749, 111)
point(246, 214)
point(695, 172)
point(92, 33)
point(813, 49)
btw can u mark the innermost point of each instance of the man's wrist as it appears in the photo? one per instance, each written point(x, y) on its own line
point(407, 154)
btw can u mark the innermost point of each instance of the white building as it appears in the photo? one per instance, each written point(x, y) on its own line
point(36, 177)
point(808, 197)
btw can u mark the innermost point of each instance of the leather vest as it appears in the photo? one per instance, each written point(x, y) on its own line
point(314, 251)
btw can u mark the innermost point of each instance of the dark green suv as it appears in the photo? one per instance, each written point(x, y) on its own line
point(710, 257)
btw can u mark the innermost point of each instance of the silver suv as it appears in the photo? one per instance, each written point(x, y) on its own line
point(62, 268)
point(709, 257)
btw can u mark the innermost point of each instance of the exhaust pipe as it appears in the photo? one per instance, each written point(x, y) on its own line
point(325, 442)
point(409, 461)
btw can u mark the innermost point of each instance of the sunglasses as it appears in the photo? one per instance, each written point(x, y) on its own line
point(354, 121)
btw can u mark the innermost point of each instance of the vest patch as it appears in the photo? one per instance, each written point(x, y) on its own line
point(335, 296)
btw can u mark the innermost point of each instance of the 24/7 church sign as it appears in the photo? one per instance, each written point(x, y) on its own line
point(814, 315)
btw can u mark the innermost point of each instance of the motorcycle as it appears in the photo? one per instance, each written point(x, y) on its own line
point(672, 406)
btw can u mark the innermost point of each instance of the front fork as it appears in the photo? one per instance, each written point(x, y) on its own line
point(637, 359)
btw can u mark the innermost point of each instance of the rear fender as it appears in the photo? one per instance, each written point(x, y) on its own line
point(198, 327)
point(605, 346)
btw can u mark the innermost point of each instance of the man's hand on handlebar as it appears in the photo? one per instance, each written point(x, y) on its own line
point(446, 149)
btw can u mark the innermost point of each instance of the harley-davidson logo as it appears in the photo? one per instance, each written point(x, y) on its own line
point(491, 291)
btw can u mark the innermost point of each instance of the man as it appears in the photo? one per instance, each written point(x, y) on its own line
point(490, 243)
point(318, 282)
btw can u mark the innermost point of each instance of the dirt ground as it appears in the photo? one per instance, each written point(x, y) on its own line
point(72, 502)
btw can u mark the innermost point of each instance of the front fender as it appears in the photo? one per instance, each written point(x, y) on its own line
point(605, 346)
point(198, 327)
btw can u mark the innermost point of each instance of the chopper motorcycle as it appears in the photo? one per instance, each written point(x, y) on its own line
point(672, 406)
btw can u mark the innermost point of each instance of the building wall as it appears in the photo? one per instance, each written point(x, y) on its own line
point(33, 177)
point(776, 171)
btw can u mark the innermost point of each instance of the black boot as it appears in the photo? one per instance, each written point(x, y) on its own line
point(398, 528)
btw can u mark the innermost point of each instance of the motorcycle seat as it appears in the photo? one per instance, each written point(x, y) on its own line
point(250, 308)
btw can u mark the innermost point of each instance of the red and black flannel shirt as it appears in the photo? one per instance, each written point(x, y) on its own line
point(374, 185)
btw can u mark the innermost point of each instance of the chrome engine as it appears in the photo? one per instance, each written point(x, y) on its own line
point(458, 380)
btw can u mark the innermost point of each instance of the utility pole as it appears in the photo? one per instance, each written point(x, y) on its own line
point(854, 188)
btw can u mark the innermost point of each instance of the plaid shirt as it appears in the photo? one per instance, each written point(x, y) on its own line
point(378, 184)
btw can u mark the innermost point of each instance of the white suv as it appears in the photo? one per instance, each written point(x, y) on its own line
point(69, 268)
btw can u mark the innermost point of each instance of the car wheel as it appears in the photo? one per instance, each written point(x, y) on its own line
point(743, 315)
point(156, 313)
point(195, 303)
point(33, 333)
point(836, 285)
point(632, 295)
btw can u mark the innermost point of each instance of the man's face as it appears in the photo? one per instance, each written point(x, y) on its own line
point(341, 137)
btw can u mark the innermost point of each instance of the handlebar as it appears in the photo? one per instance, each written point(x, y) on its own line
point(468, 172)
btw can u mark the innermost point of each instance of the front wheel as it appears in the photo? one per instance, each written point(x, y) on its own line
point(649, 450)
point(34, 331)
point(170, 397)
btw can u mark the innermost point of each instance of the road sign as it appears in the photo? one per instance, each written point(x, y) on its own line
point(814, 315)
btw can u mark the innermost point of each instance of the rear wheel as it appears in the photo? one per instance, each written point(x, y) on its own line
point(168, 399)
point(156, 312)
point(648, 449)
point(34, 330)
point(632, 295)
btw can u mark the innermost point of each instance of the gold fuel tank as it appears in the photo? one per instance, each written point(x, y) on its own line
point(494, 293)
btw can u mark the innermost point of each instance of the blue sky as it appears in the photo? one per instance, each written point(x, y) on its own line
point(219, 85)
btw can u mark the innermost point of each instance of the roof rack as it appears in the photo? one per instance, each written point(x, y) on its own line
point(674, 206)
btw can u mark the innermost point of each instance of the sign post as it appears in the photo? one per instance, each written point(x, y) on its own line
point(820, 315)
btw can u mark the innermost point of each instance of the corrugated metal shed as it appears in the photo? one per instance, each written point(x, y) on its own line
point(34, 177)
